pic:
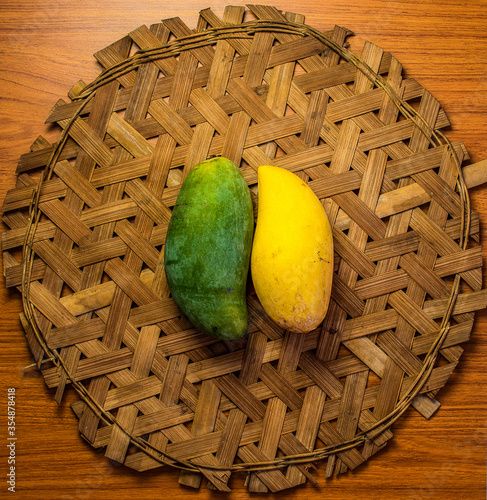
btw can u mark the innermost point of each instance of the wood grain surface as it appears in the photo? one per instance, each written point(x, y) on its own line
point(45, 48)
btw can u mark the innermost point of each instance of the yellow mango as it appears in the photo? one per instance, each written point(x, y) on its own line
point(292, 251)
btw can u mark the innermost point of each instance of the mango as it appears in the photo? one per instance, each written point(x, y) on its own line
point(207, 249)
point(292, 252)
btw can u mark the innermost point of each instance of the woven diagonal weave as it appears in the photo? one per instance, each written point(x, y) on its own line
point(98, 313)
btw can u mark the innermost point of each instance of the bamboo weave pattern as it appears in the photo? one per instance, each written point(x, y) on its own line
point(273, 402)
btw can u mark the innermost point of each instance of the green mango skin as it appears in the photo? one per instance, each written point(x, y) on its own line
point(207, 250)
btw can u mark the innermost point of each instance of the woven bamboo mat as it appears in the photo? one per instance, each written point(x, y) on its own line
point(86, 236)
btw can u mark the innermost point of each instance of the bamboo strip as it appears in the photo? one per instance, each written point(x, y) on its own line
point(203, 423)
point(350, 407)
point(276, 407)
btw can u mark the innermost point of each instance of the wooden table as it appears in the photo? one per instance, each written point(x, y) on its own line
point(46, 47)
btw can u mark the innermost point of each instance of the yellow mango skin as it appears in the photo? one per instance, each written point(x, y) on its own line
point(292, 251)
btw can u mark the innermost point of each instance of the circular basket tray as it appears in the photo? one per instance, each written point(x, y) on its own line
point(98, 314)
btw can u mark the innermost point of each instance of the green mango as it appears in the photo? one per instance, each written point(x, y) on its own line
point(207, 249)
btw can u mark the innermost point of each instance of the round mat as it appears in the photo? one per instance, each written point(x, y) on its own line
point(87, 224)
